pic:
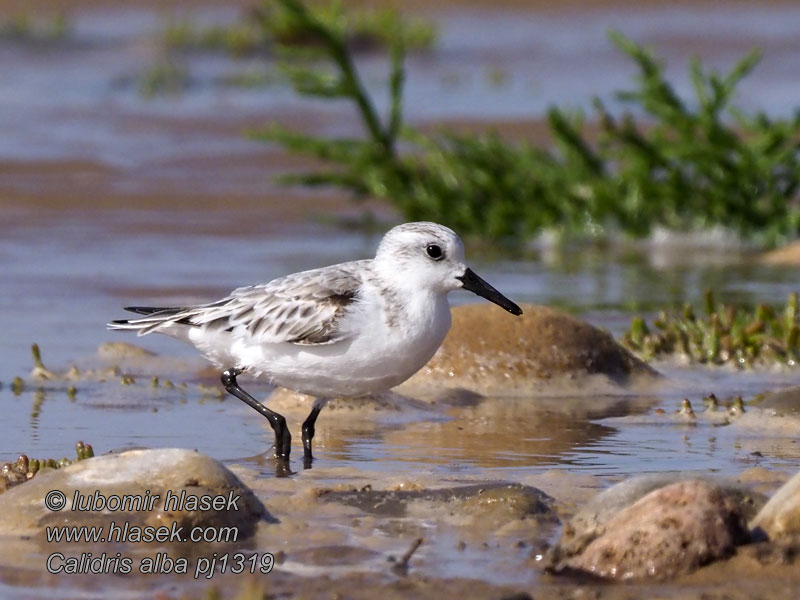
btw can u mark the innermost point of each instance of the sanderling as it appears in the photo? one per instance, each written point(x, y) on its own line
point(346, 330)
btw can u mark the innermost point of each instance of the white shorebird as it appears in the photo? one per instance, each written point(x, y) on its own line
point(346, 330)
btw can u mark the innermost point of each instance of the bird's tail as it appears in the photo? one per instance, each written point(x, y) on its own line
point(154, 319)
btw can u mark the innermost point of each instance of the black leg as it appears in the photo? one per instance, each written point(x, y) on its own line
point(308, 431)
point(283, 439)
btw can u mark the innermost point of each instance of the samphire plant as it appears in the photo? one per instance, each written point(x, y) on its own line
point(665, 161)
point(721, 334)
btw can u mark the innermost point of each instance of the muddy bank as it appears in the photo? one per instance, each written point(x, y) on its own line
point(335, 527)
point(34, 193)
point(785, 255)
point(466, 474)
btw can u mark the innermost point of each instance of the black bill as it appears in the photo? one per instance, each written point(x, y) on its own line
point(476, 285)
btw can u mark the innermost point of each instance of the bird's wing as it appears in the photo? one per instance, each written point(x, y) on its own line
point(303, 308)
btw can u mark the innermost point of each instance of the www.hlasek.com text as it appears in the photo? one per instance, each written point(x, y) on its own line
point(140, 534)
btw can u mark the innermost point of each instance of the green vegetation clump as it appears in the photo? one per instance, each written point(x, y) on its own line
point(165, 77)
point(25, 468)
point(239, 39)
point(723, 334)
point(665, 162)
point(252, 77)
point(364, 28)
point(267, 24)
point(23, 27)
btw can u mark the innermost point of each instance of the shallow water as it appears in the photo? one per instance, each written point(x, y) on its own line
point(66, 276)
point(78, 99)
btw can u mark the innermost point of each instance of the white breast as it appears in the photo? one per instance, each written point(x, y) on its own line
point(386, 347)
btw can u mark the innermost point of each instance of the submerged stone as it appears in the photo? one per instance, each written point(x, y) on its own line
point(783, 402)
point(137, 488)
point(671, 531)
point(495, 501)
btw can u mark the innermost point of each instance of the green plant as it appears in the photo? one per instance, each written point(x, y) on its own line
point(361, 28)
point(721, 334)
point(164, 77)
point(24, 468)
point(267, 24)
point(699, 164)
point(250, 78)
point(23, 27)
point(682, 165)
point(366, 161)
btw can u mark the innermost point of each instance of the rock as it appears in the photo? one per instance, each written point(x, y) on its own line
point(670, 531)
point(494, 503)
point(489, 351)
point(133, 474)
point(780, 517)
point(783, 402)
point(592, 521)
point(123, 351)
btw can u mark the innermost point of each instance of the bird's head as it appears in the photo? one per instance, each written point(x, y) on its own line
point(431, 256)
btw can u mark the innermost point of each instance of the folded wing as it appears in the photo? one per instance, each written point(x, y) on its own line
point(303, 308)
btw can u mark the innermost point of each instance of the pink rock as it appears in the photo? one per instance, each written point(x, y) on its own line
point(670, 531)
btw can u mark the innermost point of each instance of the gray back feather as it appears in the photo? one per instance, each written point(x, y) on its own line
point(303, 308)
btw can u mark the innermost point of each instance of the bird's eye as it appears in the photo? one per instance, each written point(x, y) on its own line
point(435, 252)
